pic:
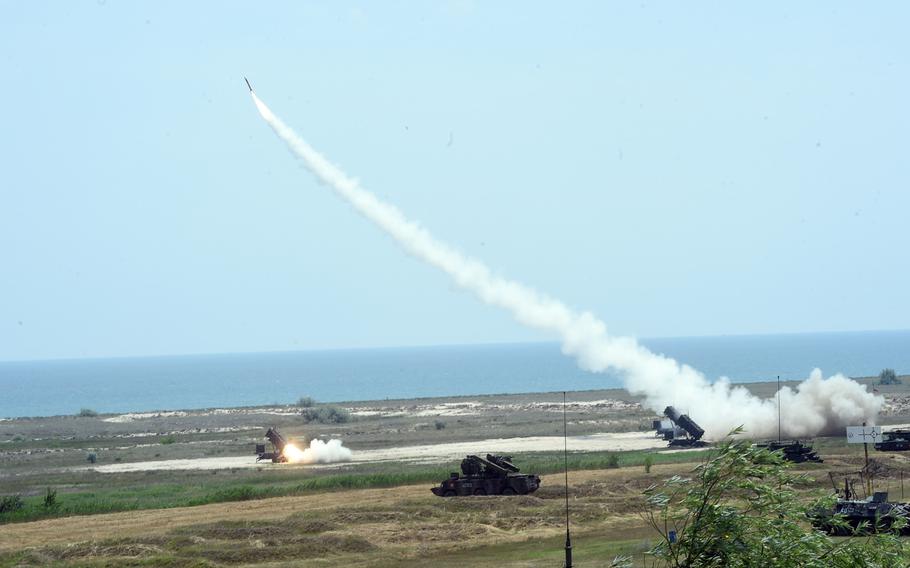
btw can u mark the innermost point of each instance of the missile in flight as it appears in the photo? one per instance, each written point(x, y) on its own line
point(248, 84)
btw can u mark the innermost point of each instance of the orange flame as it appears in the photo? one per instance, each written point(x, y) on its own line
point(293, 453)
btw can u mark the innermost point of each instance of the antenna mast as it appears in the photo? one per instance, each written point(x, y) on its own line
point(565, 455)
point(778, 408)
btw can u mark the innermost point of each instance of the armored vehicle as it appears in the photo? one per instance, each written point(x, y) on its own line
point(793, 450)
point(278, 443)
point(495, 475)
point(876, 512)
point(894, 441)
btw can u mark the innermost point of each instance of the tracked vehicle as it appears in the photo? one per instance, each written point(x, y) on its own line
point(861, 516)
point(793, 450)
point(495, 475)
point(897, 440)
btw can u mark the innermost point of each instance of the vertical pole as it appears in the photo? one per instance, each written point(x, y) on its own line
point(778, 408)
point(868, 473)
point(565, 455)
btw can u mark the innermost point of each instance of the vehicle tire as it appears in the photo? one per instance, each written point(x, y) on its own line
point(449, 493)
point(508, 491)
point(480, 492)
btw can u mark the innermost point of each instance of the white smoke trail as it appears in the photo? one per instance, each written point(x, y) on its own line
point(318, 452)
point(816, 406)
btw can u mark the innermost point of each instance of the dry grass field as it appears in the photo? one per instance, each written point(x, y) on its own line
point(360, 514)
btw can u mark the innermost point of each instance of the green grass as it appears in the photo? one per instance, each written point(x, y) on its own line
point(139, 491)
point(590, 548)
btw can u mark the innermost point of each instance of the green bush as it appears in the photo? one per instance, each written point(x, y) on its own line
point(440, 425)
point(888, 377)
point(87, 413)
point(740, 509)
point(613, 460)
point(10, 503)
point(306, 402)
point(168, 440)
point(649, 461)
point(325, 415)
point(50, 499)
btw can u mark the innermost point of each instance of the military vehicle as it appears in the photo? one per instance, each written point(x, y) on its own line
point(681, 431)
point(495, 475)
point(278, 443)
point(793, 450)
point(873, 514)
point(897, 440)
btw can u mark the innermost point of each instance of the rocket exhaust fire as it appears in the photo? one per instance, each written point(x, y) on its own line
point(824, 405)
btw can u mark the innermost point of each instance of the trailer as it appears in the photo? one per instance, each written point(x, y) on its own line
point(276, 455)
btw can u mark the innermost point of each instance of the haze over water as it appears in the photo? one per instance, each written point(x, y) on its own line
point(41, 388)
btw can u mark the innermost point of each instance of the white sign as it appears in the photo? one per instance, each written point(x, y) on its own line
point(863, 434)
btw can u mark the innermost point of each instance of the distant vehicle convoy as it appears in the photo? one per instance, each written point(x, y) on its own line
point(495, 475)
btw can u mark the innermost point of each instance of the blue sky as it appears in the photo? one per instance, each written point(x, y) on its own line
point(677, 168)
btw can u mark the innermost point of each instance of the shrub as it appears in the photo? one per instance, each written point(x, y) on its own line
point(325, 415)
point(649, 461)
point(613, 460)
point(306, 402)
point(87, 413)
point(888, 377)
point(740, 509)
point(440, 425)
point(50, 499)
point(92, 457)
point(168, 440)
point(10, 503)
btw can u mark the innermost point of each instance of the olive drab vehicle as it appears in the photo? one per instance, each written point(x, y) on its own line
point(857, 516)
point(495, 475)
point(897, 440)
point(278, 444)
point(679, 430)
point(792, 450)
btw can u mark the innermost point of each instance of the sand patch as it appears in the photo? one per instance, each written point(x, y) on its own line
point(431, 453)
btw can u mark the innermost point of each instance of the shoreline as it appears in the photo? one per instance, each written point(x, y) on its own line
point(756, 387)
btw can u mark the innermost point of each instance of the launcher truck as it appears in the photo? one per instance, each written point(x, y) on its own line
point(685, 433)
point(278, 443)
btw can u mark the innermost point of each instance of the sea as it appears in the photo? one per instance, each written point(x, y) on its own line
point(139, 384)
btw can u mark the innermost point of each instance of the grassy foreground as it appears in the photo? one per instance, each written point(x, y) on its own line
point(136, 493)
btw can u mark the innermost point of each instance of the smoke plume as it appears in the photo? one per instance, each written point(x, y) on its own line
point(816, 406)
point(318, 452)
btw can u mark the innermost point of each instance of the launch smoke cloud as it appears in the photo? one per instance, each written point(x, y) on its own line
point(816, 406)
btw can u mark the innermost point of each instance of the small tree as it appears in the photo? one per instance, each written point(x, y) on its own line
point(306, 402)
point(740, 509)
point(87, 413)
point(888, 377)
point(50, 499)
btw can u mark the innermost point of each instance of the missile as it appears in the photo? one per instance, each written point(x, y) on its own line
point(248, 84)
